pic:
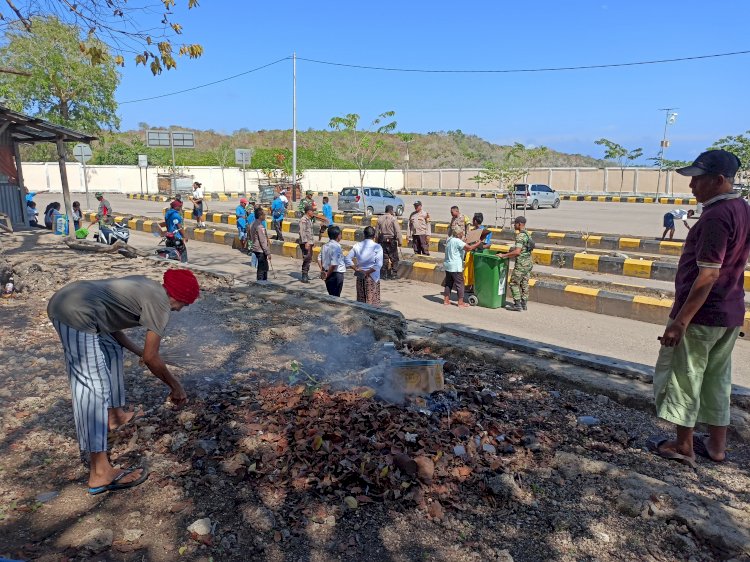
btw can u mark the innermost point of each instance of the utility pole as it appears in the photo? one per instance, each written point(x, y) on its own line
point(294, 126)
point(669, 118)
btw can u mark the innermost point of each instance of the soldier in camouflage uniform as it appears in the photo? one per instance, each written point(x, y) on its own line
point(519, 280)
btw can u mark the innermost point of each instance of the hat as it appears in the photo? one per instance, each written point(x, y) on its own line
point(98, 194)
point(176, 204)
point(416, 203)
point(243, 201)
point(181, 285)
point(719, 162)
point(308, 192)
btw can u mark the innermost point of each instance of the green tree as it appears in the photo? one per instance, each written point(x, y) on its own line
point(63, 86)
point(462, 153)
point(141, 31)
point(739, 145)
point(363, 146)
point(617, 152)
point(223, 154)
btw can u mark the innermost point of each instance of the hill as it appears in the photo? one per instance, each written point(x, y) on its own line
point(315, 149)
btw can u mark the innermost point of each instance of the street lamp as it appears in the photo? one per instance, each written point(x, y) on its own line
point(670, 116)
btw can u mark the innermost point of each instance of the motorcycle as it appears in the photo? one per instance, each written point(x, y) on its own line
point(174, 248)
point(111, 233)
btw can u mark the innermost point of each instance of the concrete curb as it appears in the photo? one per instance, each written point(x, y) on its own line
point(592, 198)
point(635, 307)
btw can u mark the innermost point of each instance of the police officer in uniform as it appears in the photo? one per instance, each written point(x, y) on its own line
point(388, 235)
point(519, 280)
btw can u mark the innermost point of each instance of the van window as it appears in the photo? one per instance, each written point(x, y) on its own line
point(349, 191)
point(386, 193)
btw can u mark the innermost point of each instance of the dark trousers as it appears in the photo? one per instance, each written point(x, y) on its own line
point(390, 255)
point(277, 228)
point(306, 258)
point(262, 266)
point(421, 244)
point(454, 279)
point(334, 284)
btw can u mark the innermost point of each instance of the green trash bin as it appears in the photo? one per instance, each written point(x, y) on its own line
point(490, 279)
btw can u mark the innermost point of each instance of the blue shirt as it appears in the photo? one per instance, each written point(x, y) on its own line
point(328, 212)
point(241, 217)
point(454, 255)
point(174, 222)
point(277, 209)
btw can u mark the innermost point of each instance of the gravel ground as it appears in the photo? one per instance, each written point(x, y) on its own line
point(268, 462)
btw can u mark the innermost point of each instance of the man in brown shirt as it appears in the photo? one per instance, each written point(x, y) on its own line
point(259, 243)
point(419, 229)
point(459, 222)
point(388, 235)
point(306, 241)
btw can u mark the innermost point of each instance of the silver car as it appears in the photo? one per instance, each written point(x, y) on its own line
point(369, 200)
point(534, 195)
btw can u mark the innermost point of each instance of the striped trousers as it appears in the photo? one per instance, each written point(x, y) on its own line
point(95, 371)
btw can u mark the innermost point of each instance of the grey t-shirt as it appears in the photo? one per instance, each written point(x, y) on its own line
point(110, 305)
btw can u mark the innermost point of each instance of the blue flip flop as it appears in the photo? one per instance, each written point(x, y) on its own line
point(117, 485)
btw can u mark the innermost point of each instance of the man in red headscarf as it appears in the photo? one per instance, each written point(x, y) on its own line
point(90, 317)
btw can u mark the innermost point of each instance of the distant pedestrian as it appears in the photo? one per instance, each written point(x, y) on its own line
point(519, 280)
point(306, 241)
point(455, 249)
point(459, 222)
point(693, 374)
point(670, 217)
point(418, 230)
point(197, 199)
point(369, 257)
point(278, 210)
point(259, 243)
point(77, 215)
point(333, 266)
point(388, 235)
point(328, 214)
point(241, 216)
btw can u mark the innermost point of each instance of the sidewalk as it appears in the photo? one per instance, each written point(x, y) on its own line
point(610, 336)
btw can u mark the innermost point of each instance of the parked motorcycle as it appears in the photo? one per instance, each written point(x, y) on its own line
point(174, 248)
point(111, 233)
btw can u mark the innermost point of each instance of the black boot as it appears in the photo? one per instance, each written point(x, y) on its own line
point(305, 278)
point(523, 304)
point(515, 307)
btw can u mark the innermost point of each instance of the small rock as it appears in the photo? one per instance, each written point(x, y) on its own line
point(554, 394)
point(178, 440)
point(206, 446)
point(435, 510)
point(5, 393)
point(504, 556)
point(601, 399)
point(487, 448)
point(459, 450)
point(97, 540)
point(44, 497)
point(235, 464)
point(259, 518)
point(528, 440)
point(330, 521)
point(132, 535)
point(603, 537)
point(148, 431)
point(425, 468)
point(588, 420)
point(410, 437)
point(201, 527)
point(500, 438)
point(504, 486)
point(507, 449)
point(405, 464)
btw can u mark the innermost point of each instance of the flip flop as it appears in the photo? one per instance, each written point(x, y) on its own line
point(116, 485)
point(699, 446)
point(138, 414)
point(654, 443)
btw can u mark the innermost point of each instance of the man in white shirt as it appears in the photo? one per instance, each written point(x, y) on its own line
point(332, 262)
point(670, 217)
point(282, 196)
point(369, 257)
point(197, 199)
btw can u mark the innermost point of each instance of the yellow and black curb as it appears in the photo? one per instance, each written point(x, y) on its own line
point(591, 198)
point(218, 196)
point(599, 301)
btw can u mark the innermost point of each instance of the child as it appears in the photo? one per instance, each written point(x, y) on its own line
point(77, 215)
point(32, 215)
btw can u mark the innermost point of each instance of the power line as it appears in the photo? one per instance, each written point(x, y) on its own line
point(519, 70)
point(207, 83)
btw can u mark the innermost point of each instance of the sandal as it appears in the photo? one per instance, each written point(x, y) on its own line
point(116, 485)
point(654, 445)
point(700, 449)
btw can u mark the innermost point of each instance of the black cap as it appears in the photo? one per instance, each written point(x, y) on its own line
point(417, 203)
point(719, 162)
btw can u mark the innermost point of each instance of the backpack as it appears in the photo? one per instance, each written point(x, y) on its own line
point(530, 244)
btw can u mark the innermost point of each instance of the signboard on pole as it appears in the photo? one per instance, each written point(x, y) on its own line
point(243, 156)
point(82, 153)
point(142, 161)
point(165, 139)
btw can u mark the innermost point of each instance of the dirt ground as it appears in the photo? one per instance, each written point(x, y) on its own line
point(288, 449)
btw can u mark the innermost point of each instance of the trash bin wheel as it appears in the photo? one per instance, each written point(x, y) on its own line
point(473, 300)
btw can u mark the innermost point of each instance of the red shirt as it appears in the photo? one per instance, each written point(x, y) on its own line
point(720, 239)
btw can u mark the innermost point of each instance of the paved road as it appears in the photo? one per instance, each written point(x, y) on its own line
point(636, 219)
point(584, 331)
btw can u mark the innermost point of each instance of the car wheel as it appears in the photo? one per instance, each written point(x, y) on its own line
point(399, 211)
point(535, 204)
point(369, 212)
point(556, 204)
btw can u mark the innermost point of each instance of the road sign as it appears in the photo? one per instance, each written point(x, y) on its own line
point(142, 161)
point(82, 153)
point(165, 139)
point(243, 156)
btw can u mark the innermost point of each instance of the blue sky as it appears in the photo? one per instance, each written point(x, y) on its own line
point(566, 111)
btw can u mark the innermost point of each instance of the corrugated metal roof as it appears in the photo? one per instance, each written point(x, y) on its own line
point(24, 128)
